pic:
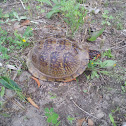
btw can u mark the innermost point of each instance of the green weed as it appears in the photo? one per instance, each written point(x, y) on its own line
point(99, 67)
point(53, 96)
point(2, 15)
point(71, 11)
point(106, 18)
point(8, 43)
point(118, 21)
point(73, 14)
point(52, 117)
point(108, 54)
point(10, 84)
point(9, 17)
point(70, 119)
point(2, 92)
point(112, 119)
point(115, 110)
point(81, 1)
point(95, 35)
point(123, 87)
point(3, 49)
point(5, 115)
point(17, 17)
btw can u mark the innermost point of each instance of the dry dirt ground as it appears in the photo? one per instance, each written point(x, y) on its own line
point(90, 99)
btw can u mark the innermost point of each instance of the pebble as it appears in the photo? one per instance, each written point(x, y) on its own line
point(11, 67)
point(107, 96)
point(24, 76)
point(100, 115)
point(9, 93)
point(90, 122)
point(1, 64)
point(124, 124)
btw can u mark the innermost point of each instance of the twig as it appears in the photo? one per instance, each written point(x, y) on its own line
point(84, 35)
point(63, 21)
point(118, 47)
point(9, 4)
point(102, 78)
point(82, 109)
point(18, 104)
point(22, 4)
point(16, 72)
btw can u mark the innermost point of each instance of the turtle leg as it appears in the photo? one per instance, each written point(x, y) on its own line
point(70, 80)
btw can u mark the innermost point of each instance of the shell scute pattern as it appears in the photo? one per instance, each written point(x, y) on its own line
point(57, 59)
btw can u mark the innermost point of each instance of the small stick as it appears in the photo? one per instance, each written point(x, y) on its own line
point(16, 72)
point(22, 4)
point(118, 47)
point(82, 109)
point(62, 20)
point(102, 78)
point(84, 35)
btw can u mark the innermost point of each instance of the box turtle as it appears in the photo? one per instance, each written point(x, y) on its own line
point(58, 59)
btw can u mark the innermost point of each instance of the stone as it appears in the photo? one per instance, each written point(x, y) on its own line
point(24, 76)
point(90, 122)
point(100, 114)
point(9, 93)
point(1, 64)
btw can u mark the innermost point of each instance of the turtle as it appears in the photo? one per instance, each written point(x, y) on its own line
point(59, 59)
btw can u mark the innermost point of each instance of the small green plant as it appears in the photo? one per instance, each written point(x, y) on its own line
point(99, 67)
point(2, 15)
point(2, 92)
point(95, 35)
point(10, 84)
point(3, 50)
point(71, 11)
point(106, 18)
point(81, 1)
point(118, 21)
point(108, 54)
point(123, 87)
point(70, 119)
point(115, 110)
point(9, 43)
point(112, 119)
point(22, 41)
point(52, 117)
point(53, 96)
point(17, 17)
point(73, 14)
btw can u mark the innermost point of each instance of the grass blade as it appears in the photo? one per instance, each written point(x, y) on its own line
point(96, 34)
point(2, 91)
point(8, 83)
point(112, 119)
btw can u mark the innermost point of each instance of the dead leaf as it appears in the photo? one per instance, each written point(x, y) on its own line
point(25, 23)
point(90, 122)
point(37, 81)
point(80, 122)
point(32, 102)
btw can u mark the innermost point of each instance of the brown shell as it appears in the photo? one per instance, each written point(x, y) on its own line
point(57, 59)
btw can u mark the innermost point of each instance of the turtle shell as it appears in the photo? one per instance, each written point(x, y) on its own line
point(57, 59)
